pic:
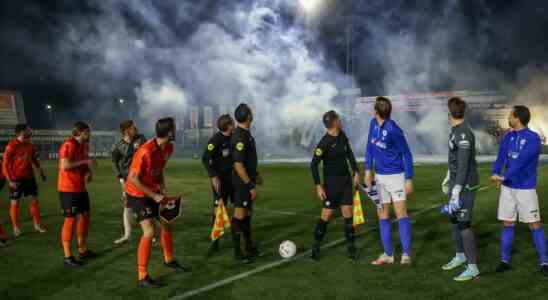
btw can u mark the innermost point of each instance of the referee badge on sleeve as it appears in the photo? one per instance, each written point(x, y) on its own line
point(240, 146)
point(210, 147)
point(319, 152)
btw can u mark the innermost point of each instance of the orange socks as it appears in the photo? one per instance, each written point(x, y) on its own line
point(66, 236)
point(166, 238)
point(143, 255)
point(82, 233)
point(35, 212)
point(14, 214)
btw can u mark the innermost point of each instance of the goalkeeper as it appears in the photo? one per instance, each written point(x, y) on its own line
point(461, 186)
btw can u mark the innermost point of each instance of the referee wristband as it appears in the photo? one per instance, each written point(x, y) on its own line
point(250, 185)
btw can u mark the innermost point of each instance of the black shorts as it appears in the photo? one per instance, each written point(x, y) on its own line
point(241, 197)
point(25, 188)
point(225, 193)
point(74, 204)
point(144, 208)
point(338, 191)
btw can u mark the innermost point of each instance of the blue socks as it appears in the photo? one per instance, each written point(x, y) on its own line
point(540, 244)
point(386, 235)
point(405, 235)
point(506, 240)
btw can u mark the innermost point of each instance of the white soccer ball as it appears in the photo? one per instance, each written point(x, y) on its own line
point(287, 249)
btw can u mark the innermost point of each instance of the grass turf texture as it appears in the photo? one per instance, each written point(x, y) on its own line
point(31, 267)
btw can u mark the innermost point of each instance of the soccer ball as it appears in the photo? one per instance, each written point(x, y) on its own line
point(287, 249)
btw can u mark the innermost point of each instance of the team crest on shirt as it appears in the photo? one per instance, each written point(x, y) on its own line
point(384, 132)
point(319, 152)
point(240, 146)
point(210, 147)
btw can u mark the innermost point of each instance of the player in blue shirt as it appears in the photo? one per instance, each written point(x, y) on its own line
point(388, 156)
point(515, 171)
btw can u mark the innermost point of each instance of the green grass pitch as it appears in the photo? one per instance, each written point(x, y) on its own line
point(31, 267)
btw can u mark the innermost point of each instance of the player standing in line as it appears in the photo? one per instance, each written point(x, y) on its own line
point(515, 171)
point(388, 154)
point(335, 152)
point(244, 179)
point(463, 183)
point(145, 191)
point(217, 160)
point(20, 159)
point(122, 154)
point(75, 172)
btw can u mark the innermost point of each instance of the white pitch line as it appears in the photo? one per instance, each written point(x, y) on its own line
point(281, 212)
point(276, 263)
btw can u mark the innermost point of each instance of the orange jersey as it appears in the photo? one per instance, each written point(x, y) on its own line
point(19, 159)
point(73, 180)
point(148, 164)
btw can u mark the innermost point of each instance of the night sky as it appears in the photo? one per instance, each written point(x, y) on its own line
point(493, 40)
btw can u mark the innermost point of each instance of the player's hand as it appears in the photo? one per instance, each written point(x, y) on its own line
point(357, 181)
point(409, 187)
point(13, 184)
point(321, 192)
point(216, 184)
point(259, 180)
point(497, 180)
point(253, 193)
point(158, 198)
point(368, 180)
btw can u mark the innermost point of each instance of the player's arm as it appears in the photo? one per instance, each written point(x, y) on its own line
point(6, 164)
point(368, 161)
point(353, 163)
point(530, 150)
point(401, 142)
point(500, 162)
point(208, 156)
point(137, 167)
point(37, 165)
point(464, 151)
point(319, 153)
point(116, 158)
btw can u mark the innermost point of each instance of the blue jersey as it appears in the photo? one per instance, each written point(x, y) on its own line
point(517, 160)
point(387, 150)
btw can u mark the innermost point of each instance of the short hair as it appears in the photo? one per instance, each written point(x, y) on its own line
point(126, 125)
point(19, 128)
point(242, 113)
point(164, 127)
point(457, 107)
point(522, 113)
point(383, 107)
point(224, 122)
point(79, 127)
point(329, 118)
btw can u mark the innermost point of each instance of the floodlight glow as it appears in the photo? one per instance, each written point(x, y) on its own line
point(309, 5)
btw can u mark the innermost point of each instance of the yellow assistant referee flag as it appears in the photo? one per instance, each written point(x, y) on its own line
point(358, 210)
point(222, 222)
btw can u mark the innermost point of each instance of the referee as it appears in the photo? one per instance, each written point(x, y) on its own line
point(335, 152)
point(244, 179)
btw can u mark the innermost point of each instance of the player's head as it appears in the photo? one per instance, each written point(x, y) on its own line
point(519, 117)
point(24, 131)
point(81, 131)
point(457, 108)
point(225, 123)
point(383, 107)
point(165, 128)
point(331, 120)
point(243, 114)
point(128, 128)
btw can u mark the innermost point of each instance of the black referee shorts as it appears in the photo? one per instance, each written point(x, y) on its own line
point(338, 190)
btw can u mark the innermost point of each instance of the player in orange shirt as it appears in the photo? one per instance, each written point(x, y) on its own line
point(145, 189)
point(20, 159)
point(75, 171)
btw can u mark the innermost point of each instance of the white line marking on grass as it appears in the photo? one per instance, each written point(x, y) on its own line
point(282, 212)
point(276, 263)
